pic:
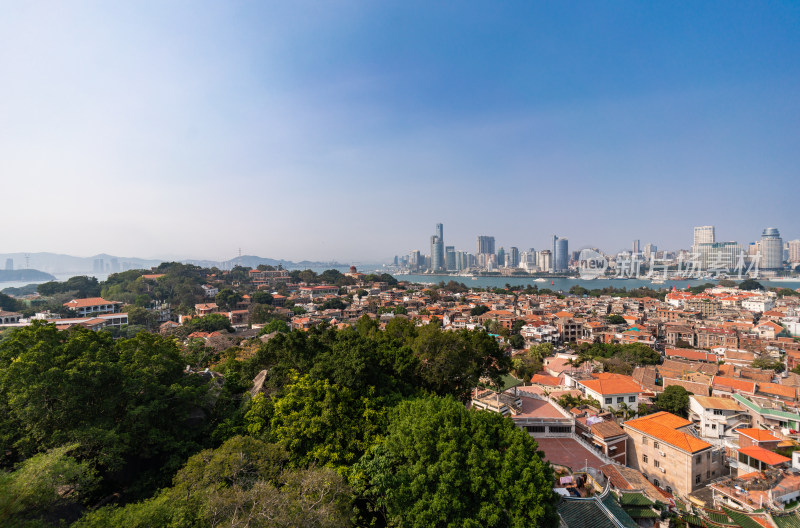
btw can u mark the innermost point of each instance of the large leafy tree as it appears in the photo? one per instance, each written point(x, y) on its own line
point(243, 483)
point(674, 399)
point(444, 465)
point(125, 402)
point(45, 485)
point(453, 362)
point(320, 423)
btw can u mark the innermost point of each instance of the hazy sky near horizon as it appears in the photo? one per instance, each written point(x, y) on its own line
point(347, 130)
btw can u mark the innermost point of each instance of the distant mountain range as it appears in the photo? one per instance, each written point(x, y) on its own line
point(67, 264)
point(104, 264)
point(252, 261)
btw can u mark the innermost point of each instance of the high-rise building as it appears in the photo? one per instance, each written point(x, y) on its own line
point(545, 258)
point(527, 260)
point(415, 259)
point(450, 258)
point(437, 249)
point(98, 266)
point(704, 235)
point(635, 247)
point(512, 260)
point(718, 255)
point(771, 250)
point(9, 264)
point(794, 250)
point(485, 245)
point(501, 257)
point(437, 252)
point(560, 254)
point(650, 250)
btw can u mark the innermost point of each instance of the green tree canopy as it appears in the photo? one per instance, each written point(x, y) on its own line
point(125, 402)
point(674, 399)
point(443, 465)
point(750, 284)
point(242, 483)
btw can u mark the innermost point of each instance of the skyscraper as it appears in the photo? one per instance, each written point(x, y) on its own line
point(437, 252)
point(704, 235)
point(485, 245)
point(512, 260)
point(771, 250)
point(437, 249)
point(450, 258)
point(794, 250)
point(545, 259)
point(560, 254)
point(9, 264)
point(501, 257)
point(635, 247)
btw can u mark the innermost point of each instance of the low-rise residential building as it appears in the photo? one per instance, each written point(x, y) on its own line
point(612, 391)
point(756, 458)
point(93, 305)
point(716, 417)
point(664, 449)
point(7, 318)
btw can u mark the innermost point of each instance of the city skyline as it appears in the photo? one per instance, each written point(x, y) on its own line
point(702, 236)
point(192, 130)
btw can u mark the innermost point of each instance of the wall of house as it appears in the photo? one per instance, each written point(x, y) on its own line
point(680, 469)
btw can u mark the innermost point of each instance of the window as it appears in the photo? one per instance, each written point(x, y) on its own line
point(608, 401)
point(708, 456)
point(656, 483)
point(698, 459)
point(631, 399)
point(535, 428)
point(644, 459)
point(669, 490)
point(655, 444)
point(644, 440)
point(713, 426)
point(620, 399)
point(656, 463)
point(717, 412)
point(697, 479)
point(708, 474)
point(560, 429)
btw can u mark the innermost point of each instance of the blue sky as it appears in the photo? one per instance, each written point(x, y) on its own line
point(346, 130)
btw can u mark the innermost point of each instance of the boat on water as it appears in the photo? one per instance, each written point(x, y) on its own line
point(784, 279)
point(658, 280)
point(539, 280)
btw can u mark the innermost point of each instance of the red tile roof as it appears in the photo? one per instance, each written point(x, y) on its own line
point(664, 425)
point(86, 303)
point(759, 435)
point(761, 454)
point(612, 386)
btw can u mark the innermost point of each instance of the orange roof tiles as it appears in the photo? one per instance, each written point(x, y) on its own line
point(663, 426)
point(763, 455)
point(544, 379)
point(91, 301)
point(612, 386)
point(759, 435)
point(733, 383)
point(778, 390)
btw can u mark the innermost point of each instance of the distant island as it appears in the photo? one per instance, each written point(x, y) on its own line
point(22, 275)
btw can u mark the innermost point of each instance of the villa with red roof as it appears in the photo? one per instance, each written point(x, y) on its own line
point(93, 305)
